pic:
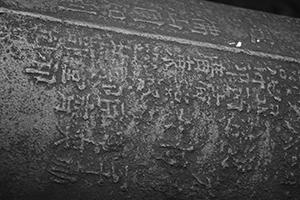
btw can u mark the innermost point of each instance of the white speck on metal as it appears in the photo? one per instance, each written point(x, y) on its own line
point(239, 44)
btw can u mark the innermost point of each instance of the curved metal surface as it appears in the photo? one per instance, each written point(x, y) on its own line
point(144, 99)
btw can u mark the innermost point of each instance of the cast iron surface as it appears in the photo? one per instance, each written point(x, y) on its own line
point(147, 100)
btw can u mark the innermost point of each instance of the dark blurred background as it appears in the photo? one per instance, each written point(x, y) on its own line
point(282, 7)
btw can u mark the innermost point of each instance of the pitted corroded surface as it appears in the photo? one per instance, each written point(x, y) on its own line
point(143, 117)
point(27, 119)
point(194, 20)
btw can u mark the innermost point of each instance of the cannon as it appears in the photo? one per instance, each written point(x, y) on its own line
point(139, 99)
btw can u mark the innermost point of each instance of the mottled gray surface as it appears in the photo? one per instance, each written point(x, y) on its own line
point(141, 100)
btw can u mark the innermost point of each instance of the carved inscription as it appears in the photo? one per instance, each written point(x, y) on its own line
point(124, 103)
point(148, 14)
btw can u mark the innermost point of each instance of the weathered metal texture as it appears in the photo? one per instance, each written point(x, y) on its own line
point(147, 100)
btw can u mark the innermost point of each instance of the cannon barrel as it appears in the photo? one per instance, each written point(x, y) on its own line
point(147, 99)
